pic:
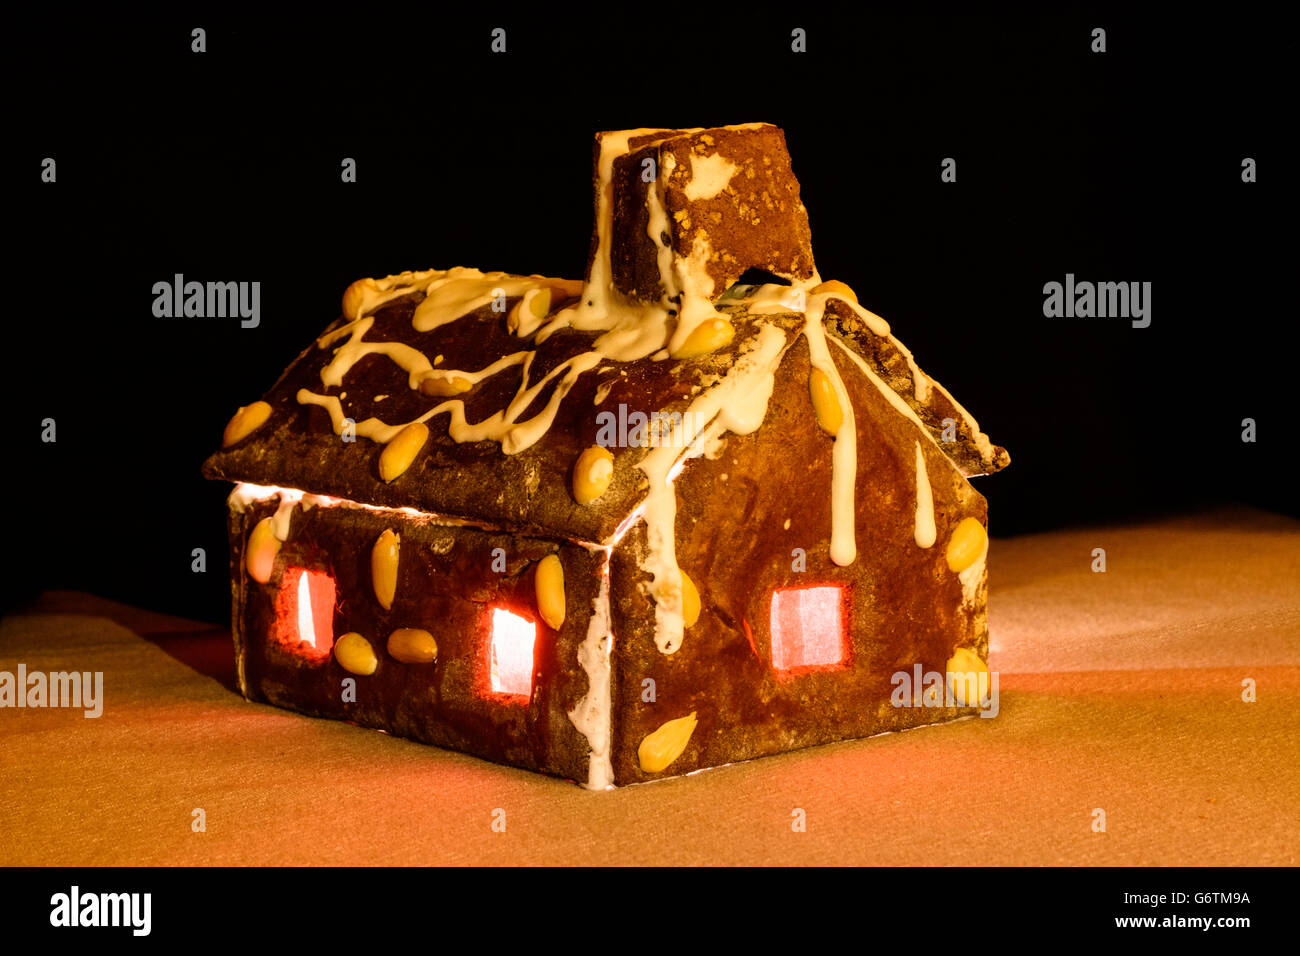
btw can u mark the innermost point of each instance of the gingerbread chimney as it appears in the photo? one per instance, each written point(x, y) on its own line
point(689, 211)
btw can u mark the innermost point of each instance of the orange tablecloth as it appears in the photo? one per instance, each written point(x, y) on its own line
point(1120, 691)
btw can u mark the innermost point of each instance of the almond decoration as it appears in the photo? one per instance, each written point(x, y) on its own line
point(355, 655)
point(709, 336)
point(830, 416)
point(592, 473)
point(966, 544)
point(354, 297)
point(244, 422)
point(410, 645)
point(549, 584)
point(836, 288)
point(690, 601)
point(444, 386)
point(401, 451)
point(561, 289)
point(964, 665)
point(660, 748)
point(529, 310)
point(383, 567)
point(263, 546)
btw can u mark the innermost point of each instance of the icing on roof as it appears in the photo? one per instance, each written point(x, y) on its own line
point(499, 408)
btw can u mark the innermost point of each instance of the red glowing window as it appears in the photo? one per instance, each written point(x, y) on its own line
point(808, 628)
point(304, 613)
point(511, 668)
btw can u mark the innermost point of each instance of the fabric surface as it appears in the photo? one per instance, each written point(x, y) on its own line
point(1119, 691)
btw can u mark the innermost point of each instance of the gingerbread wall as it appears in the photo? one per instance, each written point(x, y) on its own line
point(446, 585)
point(904, 607)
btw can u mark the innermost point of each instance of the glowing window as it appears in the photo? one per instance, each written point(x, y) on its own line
point(513, 638)
point(808, 627)
point(304, 613)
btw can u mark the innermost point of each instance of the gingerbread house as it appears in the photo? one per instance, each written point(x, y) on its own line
point(659, 520)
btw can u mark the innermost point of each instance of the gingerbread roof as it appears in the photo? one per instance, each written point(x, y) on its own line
point(514, 377)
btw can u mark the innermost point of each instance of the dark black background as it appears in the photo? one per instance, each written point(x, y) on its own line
point(1122, 166)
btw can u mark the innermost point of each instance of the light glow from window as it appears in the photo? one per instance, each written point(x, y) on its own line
point(513, 640)
point(306, 626)
point(304, 613)
point(808, 628)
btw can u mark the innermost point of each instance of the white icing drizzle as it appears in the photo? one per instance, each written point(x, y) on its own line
point(411, 360)
point(460, 291)
point(737, 404)
point(891, 396)
point(592, 715)
point(772, 298)
point(922, 383)
point(980, 439)
point(709, 176)
point(632, 330)
point(284, 513)
point(925, 530)
point(973, 575)
point(393, 287)
point(770, 302)
point(874, 322)
point(503, 426)
point(844, 456)
point(246, 493)
point(658, 227)
point(688, 287)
